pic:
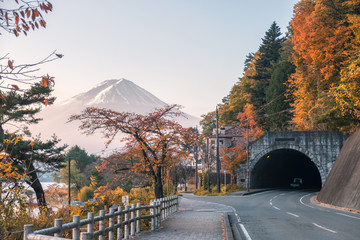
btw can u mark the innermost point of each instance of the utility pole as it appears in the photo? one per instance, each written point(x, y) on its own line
point(218, 164)
point(196, 158)
point(69, 194)
point(247, 158)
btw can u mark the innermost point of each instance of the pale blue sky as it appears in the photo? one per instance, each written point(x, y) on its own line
point(188, 52)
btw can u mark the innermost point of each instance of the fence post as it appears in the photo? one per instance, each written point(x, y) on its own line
point(162, 208)
point(167, 207)
point(158, 214)
point(90, 226)
point(173, 204)
point(132, 224)
point(58, 224)
point(76, 230)
point(111, 224)
point(86, 236)
point(126, 227)
point(177, 203)
point(102, 224)
point(152, 212)
point(138, 218)
point(119, 221)
point(28, 228)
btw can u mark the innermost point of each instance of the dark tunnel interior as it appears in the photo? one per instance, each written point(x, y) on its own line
point(278, 168)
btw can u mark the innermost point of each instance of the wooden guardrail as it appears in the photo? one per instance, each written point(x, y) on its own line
point(121, 222)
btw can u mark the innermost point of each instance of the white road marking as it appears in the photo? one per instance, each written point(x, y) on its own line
point(292, 214)
point(324, 228)
point(301, 201)
point(276, 208)
point(247, 236)
point(342, 214)
point(243, 229)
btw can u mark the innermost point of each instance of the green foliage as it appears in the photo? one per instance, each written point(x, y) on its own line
point(21, 107)
point(77, 178)
point(208, 123)
point(269, 54)
point(81, 157)
point(278, 106)
point(86, 193)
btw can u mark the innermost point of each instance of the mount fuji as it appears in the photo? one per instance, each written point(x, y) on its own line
point(118, 95)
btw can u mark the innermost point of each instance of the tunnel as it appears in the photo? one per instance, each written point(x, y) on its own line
point(278, 168)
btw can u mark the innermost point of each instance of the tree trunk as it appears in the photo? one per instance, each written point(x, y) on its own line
point(36, 185)
point(158, 184)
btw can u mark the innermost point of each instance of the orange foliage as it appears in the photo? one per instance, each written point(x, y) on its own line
point(232, 157)
point(248, 120)
point(324, 39)
point(153, 140)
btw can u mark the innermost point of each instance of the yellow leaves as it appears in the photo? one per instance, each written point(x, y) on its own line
point(13, 141)
point(32, 143)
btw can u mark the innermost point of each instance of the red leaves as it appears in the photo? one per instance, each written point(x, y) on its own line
point(3, 97)
point(43, 23)
point(10, 64)
point(30, 16)
point(16, 87)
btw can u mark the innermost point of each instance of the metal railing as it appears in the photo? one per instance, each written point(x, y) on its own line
point(121, 222)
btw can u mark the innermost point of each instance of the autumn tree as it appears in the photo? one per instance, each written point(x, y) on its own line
point(232, 157)
point(249, 122)
point(326, 45)
point(118, 170)
point(23, 93)
point(155, 137)
point(34, 157)
point(191, 144)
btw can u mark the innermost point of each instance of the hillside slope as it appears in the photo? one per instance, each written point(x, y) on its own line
point(342, 186)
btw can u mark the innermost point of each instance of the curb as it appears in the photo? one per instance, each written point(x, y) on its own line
point(257, 191)
point(228, 231)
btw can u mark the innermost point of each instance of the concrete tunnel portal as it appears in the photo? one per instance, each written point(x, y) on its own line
point(278, 168)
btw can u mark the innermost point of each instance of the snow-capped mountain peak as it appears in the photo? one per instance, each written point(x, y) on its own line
point(119, 95)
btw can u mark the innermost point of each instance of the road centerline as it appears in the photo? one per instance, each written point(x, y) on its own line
point(324, 228)
point(292, 214)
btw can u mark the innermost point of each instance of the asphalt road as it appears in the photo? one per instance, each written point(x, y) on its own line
point(288, 214)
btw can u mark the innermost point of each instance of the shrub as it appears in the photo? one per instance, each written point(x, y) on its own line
point(85, 193)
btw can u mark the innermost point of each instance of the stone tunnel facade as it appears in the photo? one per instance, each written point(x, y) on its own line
point(321, 147)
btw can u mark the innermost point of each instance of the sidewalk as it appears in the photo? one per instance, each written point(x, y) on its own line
point(195, 220)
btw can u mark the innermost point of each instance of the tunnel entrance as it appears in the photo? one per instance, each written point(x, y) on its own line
point(278, 168)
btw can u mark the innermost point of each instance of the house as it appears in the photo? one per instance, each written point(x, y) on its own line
point(229, 136)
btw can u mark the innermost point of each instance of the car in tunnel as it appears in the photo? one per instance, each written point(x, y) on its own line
point(296, 183)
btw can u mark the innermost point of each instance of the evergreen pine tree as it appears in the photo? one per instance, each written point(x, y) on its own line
point(268, 56)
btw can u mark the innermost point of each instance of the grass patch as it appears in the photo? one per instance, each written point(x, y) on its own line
point(229, 189)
